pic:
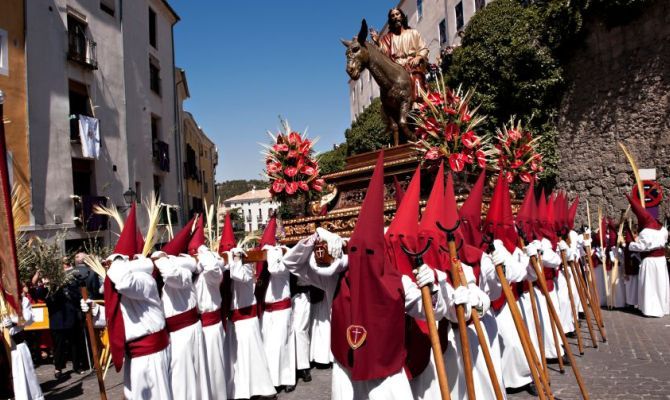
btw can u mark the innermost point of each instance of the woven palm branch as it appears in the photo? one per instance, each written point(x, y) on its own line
point(153, 207)
point(112, 212)
point(95, 265)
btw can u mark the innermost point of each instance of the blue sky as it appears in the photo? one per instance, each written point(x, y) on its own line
point(248, 62)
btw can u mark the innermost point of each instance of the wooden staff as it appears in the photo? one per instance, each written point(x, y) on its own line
point(427, 300)
point(458, 279)
point(594, 294)
point(538, 329)
point(575, 315)
point(94, 347)
point(579, 284)
point(554, 316)
point(557, 344)
point(541, 380)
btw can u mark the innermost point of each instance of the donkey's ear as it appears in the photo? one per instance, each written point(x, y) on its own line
point(363, 34)
point(346, 43)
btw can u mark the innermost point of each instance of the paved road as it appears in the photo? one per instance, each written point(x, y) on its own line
point(633, 364)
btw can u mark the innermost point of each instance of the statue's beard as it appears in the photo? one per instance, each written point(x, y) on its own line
point(396, 26)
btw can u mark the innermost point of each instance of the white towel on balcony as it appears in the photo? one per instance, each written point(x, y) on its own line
point(89, 133)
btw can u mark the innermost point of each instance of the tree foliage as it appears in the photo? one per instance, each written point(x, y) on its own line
point(333, 160)
point(228, 189)
point(368, 132)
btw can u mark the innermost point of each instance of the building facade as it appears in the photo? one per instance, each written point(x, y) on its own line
point(199, 157)
point(255, 207)
point(438, 21)
point(14, 87)
point(102, 110)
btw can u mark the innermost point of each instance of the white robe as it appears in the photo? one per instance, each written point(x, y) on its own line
point(249, 374)
point(617, 287)
point(653, 285)
point(24, 379)
point(393, 387)
point(188, 365)
point(146, 377)
point(276, 328)
point(564, 306)
point(320, 342)
point(301, 324)
point(453, 360)
point(209, 299)
point(515, 371)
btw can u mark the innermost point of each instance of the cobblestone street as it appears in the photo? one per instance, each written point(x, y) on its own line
point(633, 364)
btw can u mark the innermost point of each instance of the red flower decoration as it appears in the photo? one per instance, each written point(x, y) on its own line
point(525, 177)
point(305, 147)
point(457, 162)
point(516, 164)
point(303, 186)
point(481, 158)
point(294, 138)
point(291, 187)
point(273, 167)
point(317, 184)
point(450, 131)
point(290, 171)
point(307, 170)
point(433, 154)
point(280, 147)
point(470, 140)
point(278, 185)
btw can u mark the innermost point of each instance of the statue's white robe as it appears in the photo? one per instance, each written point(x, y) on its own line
point(653, 284)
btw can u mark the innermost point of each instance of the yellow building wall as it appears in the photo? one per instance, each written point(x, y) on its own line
point(15, 107)
point(206, 160)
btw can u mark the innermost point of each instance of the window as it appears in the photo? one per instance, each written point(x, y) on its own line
point(157, 185)
point(155, 127)
point(79, 105)
point(419, 9)
point(80, 47)
point(479, 4)
point(83, 183)
point(108, 6)
point(138, 191)
point(459, 16)
point(443, 32)
point(154, 77)
point(4, 53)
point(152, 28)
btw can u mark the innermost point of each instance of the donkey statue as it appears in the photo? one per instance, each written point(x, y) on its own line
point(395, 83)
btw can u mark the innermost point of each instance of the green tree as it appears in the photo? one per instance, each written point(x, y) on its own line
point(368, 132)
point(333, 160)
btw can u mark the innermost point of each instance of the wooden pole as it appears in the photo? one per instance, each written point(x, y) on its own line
point(94, 348)
point(541, 381)
point(538, 330)
point(579, 284)
point(575, 316)
point(594, 294)
point(435, 343)
point(462, 327)
point(427, 300)
point(557, 344)
point(554, 315)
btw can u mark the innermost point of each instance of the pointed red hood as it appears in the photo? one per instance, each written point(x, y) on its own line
point(499, 219)
point(471, 212)
point(467, 253)
point(405, 226)
point(227, 241)
point(370, 298)
point(545, 228)
point(269, 237)
point(432, 214)
point(644, 219)
point(179, 243)
point(399, 192)
point(198, 237)
point(524, 217)
point(572, 212)
point(130, 243)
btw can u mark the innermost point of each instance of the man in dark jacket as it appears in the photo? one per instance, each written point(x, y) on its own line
point(65, 323)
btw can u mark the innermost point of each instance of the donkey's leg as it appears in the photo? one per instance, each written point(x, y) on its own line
point(391, 125)
point(402, 120)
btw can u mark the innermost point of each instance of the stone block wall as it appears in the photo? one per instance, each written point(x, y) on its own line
point(618, 90)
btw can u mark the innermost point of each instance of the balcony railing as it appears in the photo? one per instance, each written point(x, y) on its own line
point(82, 49)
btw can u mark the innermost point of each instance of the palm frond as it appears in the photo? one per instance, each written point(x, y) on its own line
point(112, 212)
point(153, 207)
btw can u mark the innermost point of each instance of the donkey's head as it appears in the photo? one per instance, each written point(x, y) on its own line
point(357, 53)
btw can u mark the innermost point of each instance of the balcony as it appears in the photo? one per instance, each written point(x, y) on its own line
point(85, 218)
point(81, 49)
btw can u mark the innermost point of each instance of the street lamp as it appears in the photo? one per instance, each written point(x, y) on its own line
point(129, 197)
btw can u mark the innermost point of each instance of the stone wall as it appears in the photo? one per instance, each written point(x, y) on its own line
point(618, 90)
